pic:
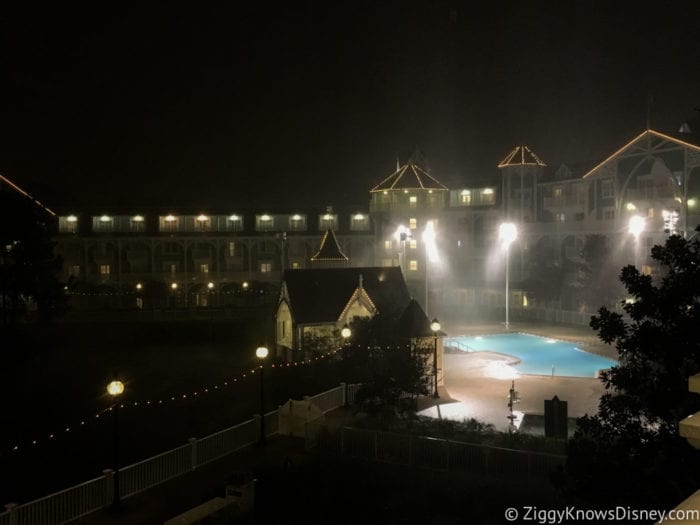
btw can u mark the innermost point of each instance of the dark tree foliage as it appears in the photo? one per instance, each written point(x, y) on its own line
point(630, 452)
point(387, 366)
point(545, 274)
point(28, 267)
point(599, 280)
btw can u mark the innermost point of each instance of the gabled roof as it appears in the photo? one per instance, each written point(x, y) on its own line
point(320, 295)
point(330, 249)
point(413, 321)
point(4, 181)
point(410, 176)
point(631, 143)
point(521, 156)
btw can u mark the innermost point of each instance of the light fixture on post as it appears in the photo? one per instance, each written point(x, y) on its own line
point(507, 233)
point(430, 254)
point(115, 389)
point(636, 226)
point(261, 353)
point(402, 234)
point(435, 327)
point(345, 332)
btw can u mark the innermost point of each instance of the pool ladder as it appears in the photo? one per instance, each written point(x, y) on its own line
point(461, 346)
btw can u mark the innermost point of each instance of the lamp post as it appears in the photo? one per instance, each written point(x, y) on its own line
point(261, 353)
point(636, 226)
point(115, 389)
point(507, 233)
point(402, 234)
point(435, 327)
point(430, 254)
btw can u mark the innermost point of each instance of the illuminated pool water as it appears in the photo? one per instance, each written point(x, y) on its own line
point(537, 354)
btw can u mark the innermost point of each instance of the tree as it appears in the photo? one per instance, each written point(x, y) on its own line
point(545, 274)
point(600, 284)
point(630, 452)
point(387, 367)
point(28, 267)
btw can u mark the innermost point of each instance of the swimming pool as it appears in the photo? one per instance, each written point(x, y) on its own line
point(538, 355)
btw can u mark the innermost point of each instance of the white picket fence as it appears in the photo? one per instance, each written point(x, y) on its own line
point(80, 500)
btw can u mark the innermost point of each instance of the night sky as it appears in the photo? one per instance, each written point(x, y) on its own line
point(248, 104)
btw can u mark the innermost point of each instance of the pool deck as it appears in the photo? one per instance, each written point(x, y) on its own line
point(471, 392)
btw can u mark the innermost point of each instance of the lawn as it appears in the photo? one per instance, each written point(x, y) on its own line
point(55, 378)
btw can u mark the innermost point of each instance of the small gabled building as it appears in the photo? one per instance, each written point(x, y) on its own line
point(320, 301)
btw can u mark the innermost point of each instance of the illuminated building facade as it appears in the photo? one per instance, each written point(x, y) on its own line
point(655, 176)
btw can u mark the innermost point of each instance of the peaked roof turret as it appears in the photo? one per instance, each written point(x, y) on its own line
point(330, 249)
point(410, 176)
point(521, 156)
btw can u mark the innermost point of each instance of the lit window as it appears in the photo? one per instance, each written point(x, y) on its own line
point(104, 269)
point(560, 217)
point(265, 267)
point(328, 220)
point(203, 268)
point(387, 245)
point(231, 248)
point(103, 223)
point(650, 213)
point(465, 197)
point(75, 270)
point(412, 224)
point(557, 193)
point(169, 223)
point(487, 196)
point(295, 266)
point(202, 223)
point(264, 222)
point(297, 222)
point(68, 224)
point(234, 223)
point(413, 200)
point(413, 265)
point(387, 262)
point(413, 244)
point(137, 223)
point(173, 268)
point(359, 222)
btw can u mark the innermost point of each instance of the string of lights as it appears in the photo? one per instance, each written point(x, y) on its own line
point(161, 401)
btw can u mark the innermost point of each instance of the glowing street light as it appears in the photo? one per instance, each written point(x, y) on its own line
point(115, 389)
point(507, 233)
point(636, 226)
point(435, 327)
point(261, 353)
point(431, 255)
point(402, 234)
